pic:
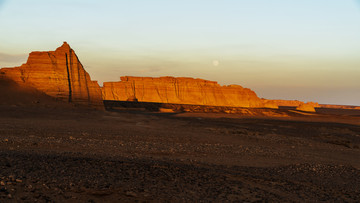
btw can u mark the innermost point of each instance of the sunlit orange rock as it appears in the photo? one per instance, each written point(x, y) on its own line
point(59, 74)
point(310, 107)
point(267, 103)
point(280, 102)
point(293, 103)
point(180, 90)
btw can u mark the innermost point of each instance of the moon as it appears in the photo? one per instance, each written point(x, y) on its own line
point(215, 62)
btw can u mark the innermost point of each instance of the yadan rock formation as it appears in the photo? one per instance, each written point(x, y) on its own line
point(58, 74)
point(294, 103)
point(61, 75)
point(181, 90)
point(306, 107)
point(299, 105)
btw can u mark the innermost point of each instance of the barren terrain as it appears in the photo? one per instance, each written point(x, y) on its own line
point(61, 153)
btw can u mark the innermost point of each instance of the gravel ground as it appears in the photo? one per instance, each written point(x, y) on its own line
point(56, 155)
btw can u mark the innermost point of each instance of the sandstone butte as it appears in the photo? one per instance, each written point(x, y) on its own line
point(182, 90)
point(58, 74)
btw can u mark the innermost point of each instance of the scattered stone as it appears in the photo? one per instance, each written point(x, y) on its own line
point(131, 194)
point(12, 178)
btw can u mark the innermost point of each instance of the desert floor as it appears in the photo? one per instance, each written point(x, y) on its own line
point(76, 155)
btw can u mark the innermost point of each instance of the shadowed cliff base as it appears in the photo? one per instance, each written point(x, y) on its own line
point(15, 95)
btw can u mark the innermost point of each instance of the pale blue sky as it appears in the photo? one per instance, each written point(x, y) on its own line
point(288, 49)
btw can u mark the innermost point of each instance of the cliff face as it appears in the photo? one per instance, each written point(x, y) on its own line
point(180, 91)
point(58, 74)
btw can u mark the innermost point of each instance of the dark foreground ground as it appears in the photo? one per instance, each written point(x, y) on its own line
point(57, 154)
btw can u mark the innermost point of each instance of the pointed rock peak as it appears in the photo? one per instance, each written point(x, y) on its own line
point(64, 47)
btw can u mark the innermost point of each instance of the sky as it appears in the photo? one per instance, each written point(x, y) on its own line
point(282, 49)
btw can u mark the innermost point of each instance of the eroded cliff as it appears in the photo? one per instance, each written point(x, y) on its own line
point(181, 90)
point(58, 74)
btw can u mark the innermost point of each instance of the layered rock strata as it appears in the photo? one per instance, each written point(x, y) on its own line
point(181, 90)
point(58, 74)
